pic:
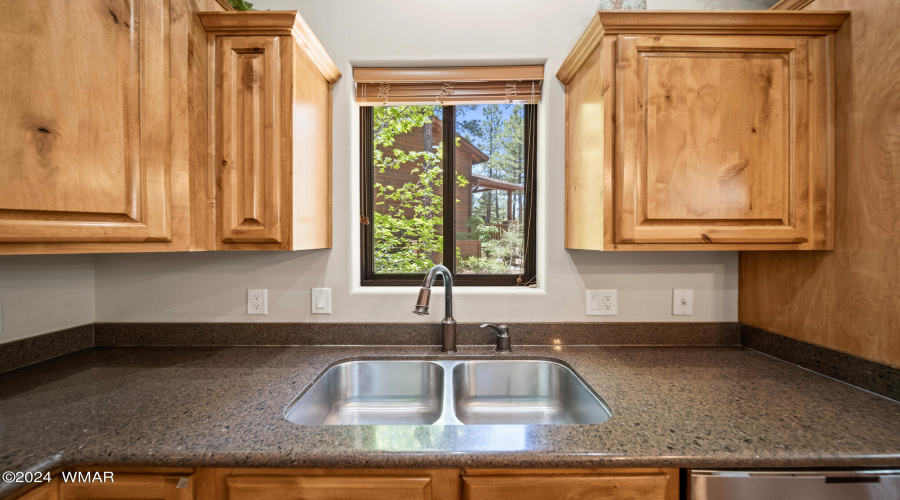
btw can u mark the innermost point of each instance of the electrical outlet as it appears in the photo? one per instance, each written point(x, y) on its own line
point(682, 302)
point(321, 300)
point(601, 303)
point(257, 301)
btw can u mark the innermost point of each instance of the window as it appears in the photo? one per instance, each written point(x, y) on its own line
point(451, 185)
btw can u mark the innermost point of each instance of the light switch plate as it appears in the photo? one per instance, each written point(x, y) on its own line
point(682, 302)
point(321, 301)
point(601, 303)
point(257, 299)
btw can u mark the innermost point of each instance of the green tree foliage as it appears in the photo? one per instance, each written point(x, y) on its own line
point(499, 256)
point(503, 140)
point(408, 218)
point(241, 5)
point(499, 132)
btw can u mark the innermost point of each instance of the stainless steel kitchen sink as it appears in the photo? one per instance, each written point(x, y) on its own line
point(372, 393)
point(448, 392)
point(523, 392)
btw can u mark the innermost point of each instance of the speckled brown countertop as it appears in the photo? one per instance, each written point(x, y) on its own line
point(222, 406)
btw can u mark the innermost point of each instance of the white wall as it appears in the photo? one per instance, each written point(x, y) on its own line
point(44, 293)
point(212, 286)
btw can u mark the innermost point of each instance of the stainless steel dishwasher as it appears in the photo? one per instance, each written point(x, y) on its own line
point(795, 485)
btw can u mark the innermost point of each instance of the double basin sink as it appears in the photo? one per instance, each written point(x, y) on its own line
point(448, 392)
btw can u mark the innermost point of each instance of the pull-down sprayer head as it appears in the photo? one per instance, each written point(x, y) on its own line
point(422, 303)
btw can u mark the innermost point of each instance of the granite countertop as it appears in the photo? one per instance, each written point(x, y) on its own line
point(222, 406)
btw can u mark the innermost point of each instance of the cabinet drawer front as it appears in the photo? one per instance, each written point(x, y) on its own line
point(129, 487)
point(327, 487)
point(713, 144)
point(43, 492)
point(569, 487)
point(249, 152)
point(84, 143)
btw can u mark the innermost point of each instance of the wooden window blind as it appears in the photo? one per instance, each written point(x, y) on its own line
point(448, 86)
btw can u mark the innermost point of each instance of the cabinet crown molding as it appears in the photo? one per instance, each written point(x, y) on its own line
point(274, 23)
point(626, 22)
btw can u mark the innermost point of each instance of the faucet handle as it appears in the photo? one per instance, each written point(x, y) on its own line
point(501, 330)
point(503, 342)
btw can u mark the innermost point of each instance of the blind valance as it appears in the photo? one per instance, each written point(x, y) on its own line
point(448, 86)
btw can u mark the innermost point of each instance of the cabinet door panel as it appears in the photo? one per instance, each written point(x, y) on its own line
point(84, 143)
point(130, 487)
point(248, 152)
point(327, 487)
point(569, 487)
point(713, 141)
point(43, 492)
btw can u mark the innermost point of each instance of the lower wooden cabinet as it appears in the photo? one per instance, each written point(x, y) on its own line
point(47, 491)
point(617, 484)
point(324, 484)
point(123, 486)
point(368, 484)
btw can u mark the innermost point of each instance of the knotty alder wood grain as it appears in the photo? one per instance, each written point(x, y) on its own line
point(129, 487)
point(49, 491)
point(589, 152)
point(685, 140)
point(248, 138)
point(273, 132)
point(374, 484)
point(327, 484)
point(322, 488)
point(849, 299)
point(201, 97)
point(588, 484)
point(312, 125)
point(152, 485)
point(705, 138)
point(84, 141)
point(95, 145)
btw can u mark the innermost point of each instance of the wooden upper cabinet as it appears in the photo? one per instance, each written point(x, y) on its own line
point(701, 131)
point(272, 121)
point(94, 139)
point(84, 143)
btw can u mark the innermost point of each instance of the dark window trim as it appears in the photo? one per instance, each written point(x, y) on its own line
point(367, 205)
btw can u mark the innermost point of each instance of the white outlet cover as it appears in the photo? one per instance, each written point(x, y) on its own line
point(682, 302)
point(321, 301)
point(601, 303)
point(257, 301)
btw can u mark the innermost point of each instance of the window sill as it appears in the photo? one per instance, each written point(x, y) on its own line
point(462, 291)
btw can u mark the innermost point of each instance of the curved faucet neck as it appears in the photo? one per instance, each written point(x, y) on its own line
point(431, 277)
